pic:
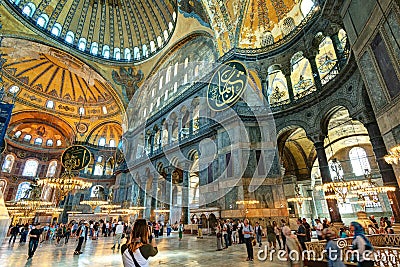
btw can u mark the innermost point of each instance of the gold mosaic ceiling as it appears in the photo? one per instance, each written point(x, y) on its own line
point(45, 74)
point(118, 24)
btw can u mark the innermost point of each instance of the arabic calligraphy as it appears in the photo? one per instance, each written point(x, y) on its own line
point(75, 158)
point(227, 85)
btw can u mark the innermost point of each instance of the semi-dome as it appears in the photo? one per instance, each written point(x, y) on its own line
point(109, 29)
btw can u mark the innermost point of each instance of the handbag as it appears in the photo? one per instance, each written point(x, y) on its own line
point(253, 241)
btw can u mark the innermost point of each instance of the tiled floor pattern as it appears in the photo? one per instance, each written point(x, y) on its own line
point(172, 252)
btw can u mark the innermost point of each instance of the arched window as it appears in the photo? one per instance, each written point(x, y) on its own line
point(106, 51)
point(56, 30)
point(69, 37)
point(81, 111)
point(168, 75)
point(174, 16)
point(175, 87)
point(58, 143)
point(335, 169)
point(38, 141)
point(17, 134)
point(127, 54)
point(29, 9)
point(277, 86)
point(186, 62)
point(14, 89)
point(82, 44)
point(8, 163)
point(30, 168)
point(306, 6)
point(97, 191)
point(102, 141)
point(185, 79)
point(301, 75)
point(145, 51)
point(51, 171)
point(117, 53)
point(268, 39)
point(359, 160)
point(165, 35)
point(159, 41)
point(42, 20)
point(112, 143)
point(27, 138)
point(50, 104)
point(49, 142)
point(170, 26)
point(136, 53)
point(153, 46)
point(196, 70)
point(326, 59)
point(176, 69)
point(104, 110)
point(288, 25)
point(161, 83)
point(94, 48)
point(98, 169)
point(100, 159)
point(21, 191)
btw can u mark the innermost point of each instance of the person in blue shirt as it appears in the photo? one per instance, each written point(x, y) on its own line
point(80, 234)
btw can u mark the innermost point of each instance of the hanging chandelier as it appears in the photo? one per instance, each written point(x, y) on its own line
point(339, 189)
point(299, 199)
point(371, 188)
point(393, 156)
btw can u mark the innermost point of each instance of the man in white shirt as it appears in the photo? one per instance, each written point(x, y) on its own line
point(319, 227)
point(119, 230)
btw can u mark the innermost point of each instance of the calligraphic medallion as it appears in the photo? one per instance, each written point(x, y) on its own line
point(227, 85)
point(75, 158)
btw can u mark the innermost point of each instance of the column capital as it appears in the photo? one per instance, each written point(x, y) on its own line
point(317, 137)
point(311, 53)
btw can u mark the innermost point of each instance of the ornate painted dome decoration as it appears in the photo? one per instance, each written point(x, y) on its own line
point(118, 30)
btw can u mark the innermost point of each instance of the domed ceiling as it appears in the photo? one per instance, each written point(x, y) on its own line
point(123, 30)
point(54, 81)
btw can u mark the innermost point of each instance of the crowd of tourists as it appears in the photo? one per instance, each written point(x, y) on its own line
point(279, 236)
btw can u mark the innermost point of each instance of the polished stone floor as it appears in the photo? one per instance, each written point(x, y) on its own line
point(172, 252)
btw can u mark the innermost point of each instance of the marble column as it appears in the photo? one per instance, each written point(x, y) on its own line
point(169, 188)
point(311, 56)
point(287, 71)
point(339, 54)
point(170, 132)
point(179, 128)
point(160, 141)
point(152, 142)
point(386, 170)
point(326, 178)
point(185, 197)
point(191, 123)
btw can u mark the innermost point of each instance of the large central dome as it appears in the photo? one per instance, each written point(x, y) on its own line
point(123, 30)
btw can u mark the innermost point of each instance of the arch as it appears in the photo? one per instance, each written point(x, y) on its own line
point(82, 44)
point(359, 160)
point(277, 86)
point(69, 37)
point(153, 46)
point(30, 168)
point(50, 104)
point(17, 134)
point(106, 51)
point(52, 169)
point(8, 163)
point(306, 6)
point(22, 191)
point(288, 25)
point(268, 39)
point(3, 185)
point(326, 59)
point(42, 20)
point(127, 54)
point(29, 9)
point(159, 41)
point(27, 138)
point(112, 143)
point(14, 89)
point(301, 75)
point(98, 169)
point(94, 48)
point(102, 141)
point(97, 191)
point(136, 53)
point(117, 53)
point(49, 142)
point(170, 27)
point(38, 141)
point(165, 35)
point(56, 29)
point(145, 51)
point(109, 166)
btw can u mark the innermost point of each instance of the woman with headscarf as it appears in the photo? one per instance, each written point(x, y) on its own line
point(362, 245)
point(333, 251)
point(293, 248)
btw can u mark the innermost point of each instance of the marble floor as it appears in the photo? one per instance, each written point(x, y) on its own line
point(172, 252)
